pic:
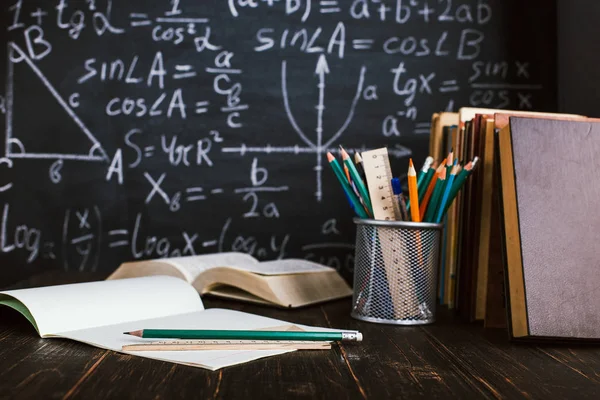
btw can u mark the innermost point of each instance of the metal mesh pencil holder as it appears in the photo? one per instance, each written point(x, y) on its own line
point(395, 272)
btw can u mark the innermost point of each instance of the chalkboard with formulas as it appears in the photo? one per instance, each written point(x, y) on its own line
point(146, 129)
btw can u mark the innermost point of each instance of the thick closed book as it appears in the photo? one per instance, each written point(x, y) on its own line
point(283, 283)
point(550, 195)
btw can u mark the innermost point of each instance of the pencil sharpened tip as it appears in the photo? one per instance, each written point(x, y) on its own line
point(134, 333)
point(345, 155)
point(330, 157)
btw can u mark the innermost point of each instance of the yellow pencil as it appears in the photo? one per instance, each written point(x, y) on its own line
point(413, 193)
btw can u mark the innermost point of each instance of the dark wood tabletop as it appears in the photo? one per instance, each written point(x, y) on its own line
point(448, 359)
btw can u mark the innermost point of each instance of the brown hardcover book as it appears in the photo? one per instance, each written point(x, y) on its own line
point(437, 140)
point(433, 134)
point(551, 227)
point(490, 248)
point(469, 113)
point(481, 247)
point(495, 306)
point(452, 232)
point(470, 220)
point(462, 215)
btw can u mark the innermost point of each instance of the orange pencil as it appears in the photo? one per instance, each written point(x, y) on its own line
point(413, 193)
point(347, 172)
point(429, 192)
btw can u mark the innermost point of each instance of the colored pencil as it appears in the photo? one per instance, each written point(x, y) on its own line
point(422, 176)
point(460, 180)
point(437, 193)
point(354, 189)
point(347, 173)
point(445, 198)
point(413, 192)
point(397, 190)
point(426, 167)
point(354, 201)
point(359, 166)
point(449, 163)
point(425, 183)
point(355, 177)
point(427, 196)
point(353, 336)
point(191, 345)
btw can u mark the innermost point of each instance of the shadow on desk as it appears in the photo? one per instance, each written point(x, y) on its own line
point(449, 359)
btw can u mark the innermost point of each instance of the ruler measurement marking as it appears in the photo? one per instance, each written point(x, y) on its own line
point(379, 181)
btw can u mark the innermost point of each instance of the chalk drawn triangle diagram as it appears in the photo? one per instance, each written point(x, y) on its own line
point(42, 132)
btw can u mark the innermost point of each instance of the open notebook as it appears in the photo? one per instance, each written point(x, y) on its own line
point(284, 283)
point(97, 313)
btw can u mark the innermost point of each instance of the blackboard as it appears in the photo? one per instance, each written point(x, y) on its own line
point(145, 129)
point(578, 73)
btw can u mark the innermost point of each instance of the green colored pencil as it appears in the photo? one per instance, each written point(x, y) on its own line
point(425, 183)
point(446, 196)
point(422, 177)
point(352, 336)
point(426, 167)
point(435, 197)
point(360, 185)
point(460, 180)
point(354, 201)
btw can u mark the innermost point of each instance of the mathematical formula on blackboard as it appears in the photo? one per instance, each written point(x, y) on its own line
point(176, 127)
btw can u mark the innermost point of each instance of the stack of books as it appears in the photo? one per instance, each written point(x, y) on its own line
point(519, 239)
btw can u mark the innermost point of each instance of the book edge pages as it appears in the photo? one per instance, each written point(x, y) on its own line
point(254, 284)
point(147, 268)
point(271, 290)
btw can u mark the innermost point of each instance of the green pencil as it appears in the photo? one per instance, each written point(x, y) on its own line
point(360, 185)
point(460, 180)
point(351, 336)
point(441, 211)
point(424, 169)
point(354, 201)
point(425, 183)
point(435, 197)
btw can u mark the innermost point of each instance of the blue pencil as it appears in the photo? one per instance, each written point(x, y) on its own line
point(397, 190)
point(446, 195)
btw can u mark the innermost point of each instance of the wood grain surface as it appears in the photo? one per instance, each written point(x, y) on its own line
point(449, 359)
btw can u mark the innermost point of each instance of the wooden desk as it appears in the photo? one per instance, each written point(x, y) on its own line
point(448, 359)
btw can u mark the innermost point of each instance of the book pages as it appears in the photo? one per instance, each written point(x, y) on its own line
point(193, 266)
point(288, 266)
point(86, 305)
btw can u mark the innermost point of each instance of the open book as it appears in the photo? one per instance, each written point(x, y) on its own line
point(285, 283)
point(97, 313)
